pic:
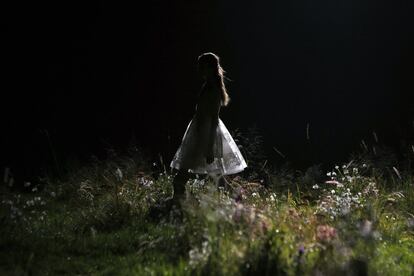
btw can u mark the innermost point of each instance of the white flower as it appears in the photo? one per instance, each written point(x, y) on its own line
point(333, 192)
point(366, 228)
point(119, 174)
point(315, 186)
point(410, 222)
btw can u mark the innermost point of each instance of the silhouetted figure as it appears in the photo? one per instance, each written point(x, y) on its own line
point(207, 147)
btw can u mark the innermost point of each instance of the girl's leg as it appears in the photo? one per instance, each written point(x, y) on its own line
point(179, 182)
point(219, 180)
point(222, 182)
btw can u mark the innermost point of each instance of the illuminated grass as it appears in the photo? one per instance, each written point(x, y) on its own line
point(359, 220)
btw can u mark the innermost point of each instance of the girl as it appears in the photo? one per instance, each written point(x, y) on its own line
point(207, 146)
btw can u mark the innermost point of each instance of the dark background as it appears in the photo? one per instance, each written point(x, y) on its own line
point(96, 74)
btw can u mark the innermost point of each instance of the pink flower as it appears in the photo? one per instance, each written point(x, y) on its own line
point(238, 212)
point(325, 233)
point(334, 182)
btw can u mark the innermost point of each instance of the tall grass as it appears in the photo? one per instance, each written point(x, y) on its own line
point(354, 219)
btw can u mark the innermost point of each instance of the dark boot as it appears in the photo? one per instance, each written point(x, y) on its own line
point(222, 183)
point(179, 182)
point(172, 203)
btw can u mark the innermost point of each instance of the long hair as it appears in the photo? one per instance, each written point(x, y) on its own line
point(212, 61)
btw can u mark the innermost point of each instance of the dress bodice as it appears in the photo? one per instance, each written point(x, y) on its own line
point(209, 102)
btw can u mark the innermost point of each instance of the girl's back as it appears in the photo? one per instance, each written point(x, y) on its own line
point(209, 102)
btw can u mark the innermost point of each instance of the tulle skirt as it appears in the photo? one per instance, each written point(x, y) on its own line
point(190, 155)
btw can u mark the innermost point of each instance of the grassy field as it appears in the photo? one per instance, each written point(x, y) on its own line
point(355, 219)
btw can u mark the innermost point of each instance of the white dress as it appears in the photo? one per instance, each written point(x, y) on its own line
point(205, 134)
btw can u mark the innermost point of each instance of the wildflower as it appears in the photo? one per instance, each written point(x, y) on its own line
point(365, 229)
point(272, 198)
point(145, 182)
point(293, 213)
point(199, 255)
point(345, 210)
point(34, 189)
point(333, 182)
point(198, 183)
point(254, 194)
point(238, 212)
point(301, 249)
point(118, 174)
point(93, 232)
point(410, 222)
point(325, 233)
point(377, 235)
point(315, 186)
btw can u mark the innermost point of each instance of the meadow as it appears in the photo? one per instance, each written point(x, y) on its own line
point(357, 218)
